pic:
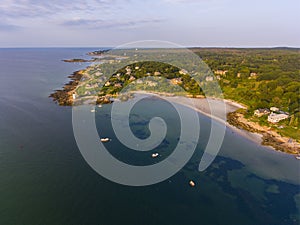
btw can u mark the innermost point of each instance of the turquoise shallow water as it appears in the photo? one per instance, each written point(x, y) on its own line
point(45, 180)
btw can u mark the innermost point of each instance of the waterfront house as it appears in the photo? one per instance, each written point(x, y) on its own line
point(274, 109)
point(275, 118)
point(261, 112)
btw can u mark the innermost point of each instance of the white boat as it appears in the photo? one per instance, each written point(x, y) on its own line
point(192, 183)
point(297, 157)
point(105, 139)
point(154, 155)
point(93, 110)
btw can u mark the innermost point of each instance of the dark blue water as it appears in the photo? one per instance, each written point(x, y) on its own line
point(45, 180)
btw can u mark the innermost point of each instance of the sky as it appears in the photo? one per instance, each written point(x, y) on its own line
point(110, 23)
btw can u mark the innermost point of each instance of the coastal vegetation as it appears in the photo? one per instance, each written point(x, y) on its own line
point(259, 78)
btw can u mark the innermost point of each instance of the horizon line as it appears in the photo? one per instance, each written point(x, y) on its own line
point(189, 47)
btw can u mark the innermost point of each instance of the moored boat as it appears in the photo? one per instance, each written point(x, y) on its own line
point(105, 139)
point(154, 155)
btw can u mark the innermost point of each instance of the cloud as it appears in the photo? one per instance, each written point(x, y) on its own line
point(8, 27)
point(98, 23)
point(42, 8)
point(90, 14)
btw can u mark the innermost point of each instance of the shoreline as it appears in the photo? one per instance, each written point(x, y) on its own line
point(261, 135)
point(230, 106)
point(269, 137)
point(252, 131)
point(233, 119)
point(64, 97)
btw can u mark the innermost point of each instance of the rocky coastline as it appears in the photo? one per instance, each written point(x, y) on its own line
point(269, 136)
point(64, 97)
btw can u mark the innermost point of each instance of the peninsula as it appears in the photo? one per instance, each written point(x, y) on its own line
point(265, 81)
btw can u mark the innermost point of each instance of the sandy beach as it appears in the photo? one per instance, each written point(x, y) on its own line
point(216, 109)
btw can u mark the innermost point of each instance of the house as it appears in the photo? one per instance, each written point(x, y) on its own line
point(156, 73)
point(274, 109)
point(118, 85)
point(275, 118)
point(183, 72)
point(131, 78)
point(98, 73)
point(176, 81)
point(221, 72)
point(261, 112)
point(209, 78)
point(252, 76)
point(128, 70)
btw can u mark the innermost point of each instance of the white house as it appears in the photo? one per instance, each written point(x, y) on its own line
point(183, 71)
point(274, 109)
point(275, 118)
point(209, 78)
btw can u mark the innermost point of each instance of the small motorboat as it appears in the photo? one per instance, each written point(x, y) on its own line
point(192, 183)
point(93, 110)
point(105, 139)
point(297, 157)
point(154, 155)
